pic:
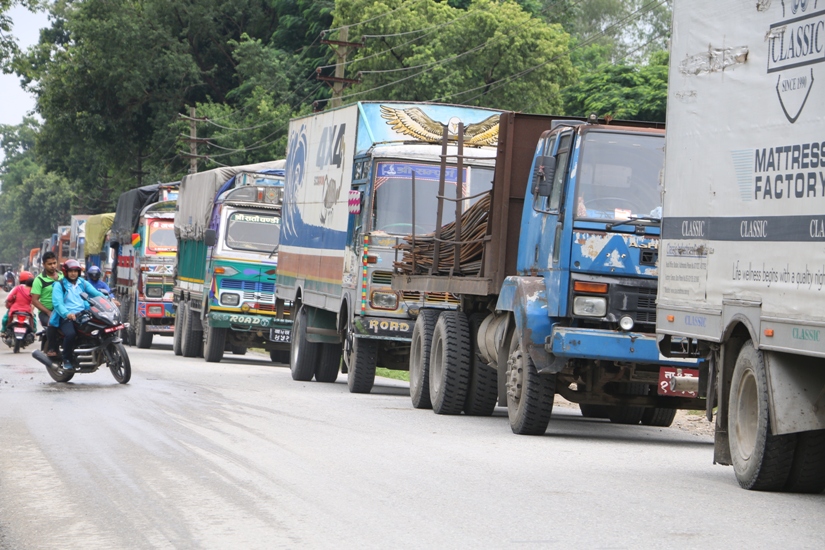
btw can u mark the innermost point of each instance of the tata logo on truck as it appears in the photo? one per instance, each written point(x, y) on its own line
point(795, 45)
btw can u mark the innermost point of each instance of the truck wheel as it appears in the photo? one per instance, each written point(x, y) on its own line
point(303, 354)
point(327, 368)
point(529, 394)
point(279, 356)
point(361, 365)
point(192, 341)
point(761, 461)
point(238, 350)
point(143, 338)
point(623, 414)
point(593, 411)
point(422, 339)
point(177, 337)
point(450, 363)
point(482, 390)
point(808, 470)
point(214, 344)
point(658, 416)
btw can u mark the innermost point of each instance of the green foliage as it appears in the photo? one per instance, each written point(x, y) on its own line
point(630, 92)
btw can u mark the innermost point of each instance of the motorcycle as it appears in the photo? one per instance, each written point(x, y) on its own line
point(19, 330)
point(98, 343)
point(8, 285)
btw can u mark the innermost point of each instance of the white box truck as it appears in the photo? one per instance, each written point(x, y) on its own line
point(742, 255)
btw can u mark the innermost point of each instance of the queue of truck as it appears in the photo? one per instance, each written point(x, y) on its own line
point(505, 259)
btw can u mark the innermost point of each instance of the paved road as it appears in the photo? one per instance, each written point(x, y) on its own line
point(198, 455)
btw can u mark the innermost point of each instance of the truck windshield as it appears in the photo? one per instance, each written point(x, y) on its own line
point(254, 231)
point(162, 236)
point(619, 176)
point(392, 212)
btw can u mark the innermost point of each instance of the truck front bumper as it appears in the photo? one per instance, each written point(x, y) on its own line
point(606, 345)
point(247, 322)
point(383, 328)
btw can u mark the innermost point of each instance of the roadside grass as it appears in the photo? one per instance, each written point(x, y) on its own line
point(395, 374)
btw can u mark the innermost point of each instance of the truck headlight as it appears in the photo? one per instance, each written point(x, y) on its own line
point(229, 299)
point(589, 306)
point(154, 292)
point(384, 300)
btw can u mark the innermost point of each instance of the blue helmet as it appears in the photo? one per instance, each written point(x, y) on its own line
point(93, 273)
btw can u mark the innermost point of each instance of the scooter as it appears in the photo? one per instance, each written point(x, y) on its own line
point(19, 330)
point(98, 343)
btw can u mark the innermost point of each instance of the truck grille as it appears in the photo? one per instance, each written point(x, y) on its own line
point(431, 297)
point(634, 300)
point(247, 286)
point(381, 278)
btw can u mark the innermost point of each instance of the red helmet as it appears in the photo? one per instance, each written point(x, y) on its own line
point(71, 264)
point(25, 277)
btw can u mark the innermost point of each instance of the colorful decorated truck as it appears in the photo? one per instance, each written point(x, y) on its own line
point(359, 178)
point(143, 235)
point(77, 238)
point(97, 250)
point(228, 226)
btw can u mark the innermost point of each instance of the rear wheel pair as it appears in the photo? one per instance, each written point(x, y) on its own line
point(310, 359)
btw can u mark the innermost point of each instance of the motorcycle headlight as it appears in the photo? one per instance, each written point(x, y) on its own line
point(589, 306)
point(229, 299)
point(384, 300)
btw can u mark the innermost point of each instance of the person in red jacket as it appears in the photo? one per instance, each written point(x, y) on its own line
point(20, 299)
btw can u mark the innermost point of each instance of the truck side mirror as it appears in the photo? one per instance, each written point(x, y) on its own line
point(210, 237)
point(546, 172)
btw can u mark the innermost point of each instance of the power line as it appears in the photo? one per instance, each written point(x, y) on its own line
point(403, 4)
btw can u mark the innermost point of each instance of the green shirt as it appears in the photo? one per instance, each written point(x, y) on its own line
point(43, 286)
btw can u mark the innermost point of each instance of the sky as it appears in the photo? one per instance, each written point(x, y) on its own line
point(14, 102)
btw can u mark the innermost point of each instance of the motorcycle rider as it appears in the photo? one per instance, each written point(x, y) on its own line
point(42, 297)
point(68, 302)
point(93, 276)
point(19, 299)
point(9, 278)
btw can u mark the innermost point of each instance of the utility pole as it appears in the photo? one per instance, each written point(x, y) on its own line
point(342, 50)
point(193, 143)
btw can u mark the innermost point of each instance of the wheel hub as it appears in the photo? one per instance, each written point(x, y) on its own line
point(515, 375)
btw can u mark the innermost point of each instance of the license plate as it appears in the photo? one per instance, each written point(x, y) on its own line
point(114, 329)
point(280, 335)
point(666, 373)
point(159, 328)
point(19, 330)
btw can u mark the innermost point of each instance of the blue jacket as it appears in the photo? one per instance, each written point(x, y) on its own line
point(100, 285)
point(66, 299)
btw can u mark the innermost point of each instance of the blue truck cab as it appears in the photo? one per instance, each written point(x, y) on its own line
point(565, 300)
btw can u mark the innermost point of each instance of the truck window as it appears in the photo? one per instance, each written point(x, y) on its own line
point(253, 231)
point(162, 236)
point(393, 195)
point(618, 176)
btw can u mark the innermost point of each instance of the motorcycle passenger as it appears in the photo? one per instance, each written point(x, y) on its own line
point(19, 299)
point(68, 302)
point(93, 276)
point(42, 297)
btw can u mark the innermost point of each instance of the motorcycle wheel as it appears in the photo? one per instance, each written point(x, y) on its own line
point(60, 375)
point(16, 345)
point(119, 363)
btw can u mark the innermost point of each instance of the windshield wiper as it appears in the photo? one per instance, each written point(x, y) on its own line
point(274, 250)
point(640, 221)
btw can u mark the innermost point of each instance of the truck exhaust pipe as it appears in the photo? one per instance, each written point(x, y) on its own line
point(685, 383)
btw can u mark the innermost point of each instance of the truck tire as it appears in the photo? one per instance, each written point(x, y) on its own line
point(327, 368)
point(657, 416)
point(422, 339)
point(303, 354)
point(529, 394)
point(593, 411)
point(143, 338)
point(761, 461)
point(450, 363)
point(214, 344)
point(808, 469)
point(192, 341)
point(238, 350)
point(482, 389)
point(279, 356)
point(623, 414)
point(177, 337)
point(361, 365)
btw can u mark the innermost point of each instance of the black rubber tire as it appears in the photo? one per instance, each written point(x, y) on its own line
point(238, 350)
point(177, 338)
point(656, 416)
point(808, 469)
point(121, 368)
point(303, 354)
point(623, 414)
point(60, 375)
point(482, 388)
point(761, 461)
point(594, 411)
point(279, 356)
point(143, 338)
point(16, 345)
point(328, 365)
point(129, 336)
point(450, 363)
point(361, 365)
point(214, 344)
point(529, 394)
point(420, 345)
point(192, 342)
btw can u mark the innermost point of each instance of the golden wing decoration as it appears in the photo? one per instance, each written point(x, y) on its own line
point(413, 122)
point(482, 133)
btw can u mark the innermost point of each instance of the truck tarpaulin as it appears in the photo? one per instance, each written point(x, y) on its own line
point(128, 211)
point(197, 194)
point(96, 228)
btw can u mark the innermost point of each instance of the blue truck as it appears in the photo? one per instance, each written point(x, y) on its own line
point(557, 285)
